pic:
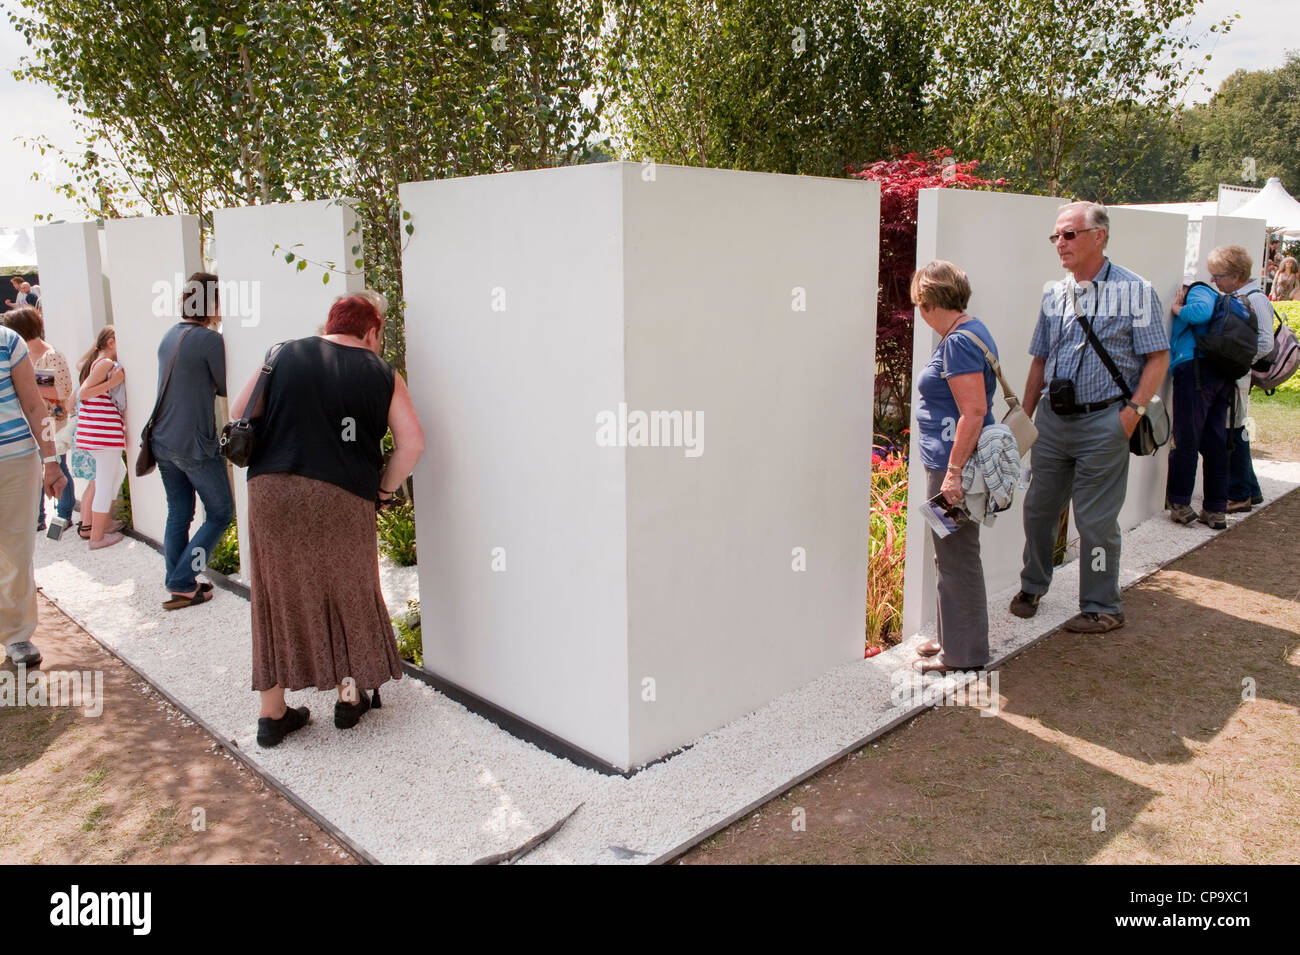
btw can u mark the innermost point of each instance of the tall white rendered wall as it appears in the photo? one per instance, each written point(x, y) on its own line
point(629, 599)
point(514, 340)
point(1000, 240)
point(273, 300)
point(1230, 230)
point(750, 298)
point(72, 286)
point(148, 262)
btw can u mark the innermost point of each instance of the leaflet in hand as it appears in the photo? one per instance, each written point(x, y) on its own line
point(943, 517)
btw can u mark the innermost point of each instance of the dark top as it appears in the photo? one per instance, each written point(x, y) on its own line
point(326, 415)
point(936, 413)
point(186, 424)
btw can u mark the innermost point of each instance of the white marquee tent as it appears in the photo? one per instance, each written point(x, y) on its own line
point(17, 249)
point(1274, 205)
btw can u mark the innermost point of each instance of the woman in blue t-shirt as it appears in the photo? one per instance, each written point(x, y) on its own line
point(956, 391)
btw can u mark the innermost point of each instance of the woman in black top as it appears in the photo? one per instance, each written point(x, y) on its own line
point(319, 617)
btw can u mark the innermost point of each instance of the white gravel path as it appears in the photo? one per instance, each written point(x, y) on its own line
point(423, 780)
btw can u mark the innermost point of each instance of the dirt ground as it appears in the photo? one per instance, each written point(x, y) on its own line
point(1133, 747)
point(138, 783)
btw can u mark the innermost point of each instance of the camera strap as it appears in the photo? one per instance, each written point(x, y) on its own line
point(1096, 345)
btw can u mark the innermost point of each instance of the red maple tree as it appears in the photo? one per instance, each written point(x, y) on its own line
point(901, 179)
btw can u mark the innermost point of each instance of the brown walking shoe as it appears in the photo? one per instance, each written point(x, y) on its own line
point(1025, 604)
point(1089, 622)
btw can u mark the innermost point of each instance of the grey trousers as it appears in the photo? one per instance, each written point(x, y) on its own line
point(963, 611)
point(1081, 459)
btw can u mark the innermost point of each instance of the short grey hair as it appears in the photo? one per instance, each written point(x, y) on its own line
point(1095, 215)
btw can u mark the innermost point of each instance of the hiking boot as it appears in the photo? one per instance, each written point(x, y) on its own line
point(1239, 507)
point(270, 732)
point(1089, 622)
point(1181, 514)
point(1214, 519)
point(1025, 604)
point(24, 653)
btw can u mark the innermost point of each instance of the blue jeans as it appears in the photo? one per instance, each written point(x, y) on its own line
point(1242, 483)
point(182, 477)
point(66, 500)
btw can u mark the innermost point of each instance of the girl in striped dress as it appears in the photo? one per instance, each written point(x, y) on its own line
point(101, 431)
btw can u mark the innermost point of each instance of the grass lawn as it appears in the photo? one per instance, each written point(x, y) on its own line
point(1277, 422)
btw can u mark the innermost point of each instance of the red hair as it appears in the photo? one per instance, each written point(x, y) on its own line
point(352, 315)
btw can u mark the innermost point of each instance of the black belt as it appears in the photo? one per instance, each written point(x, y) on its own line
point(1095, 406)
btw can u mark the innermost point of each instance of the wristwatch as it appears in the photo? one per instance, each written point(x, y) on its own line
point(1140, 409)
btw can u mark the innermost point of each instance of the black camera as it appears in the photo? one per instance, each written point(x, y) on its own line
point(1060, 396)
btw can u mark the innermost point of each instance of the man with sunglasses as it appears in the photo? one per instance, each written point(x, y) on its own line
point(1084, 420)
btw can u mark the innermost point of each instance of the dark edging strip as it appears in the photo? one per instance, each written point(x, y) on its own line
point(521, 728)
point(229, 746)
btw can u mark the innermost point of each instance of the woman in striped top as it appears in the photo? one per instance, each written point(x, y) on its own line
point(101, 431)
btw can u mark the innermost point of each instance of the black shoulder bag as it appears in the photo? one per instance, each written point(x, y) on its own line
point(239, 438)
point(1144, 439)
point(145, 462)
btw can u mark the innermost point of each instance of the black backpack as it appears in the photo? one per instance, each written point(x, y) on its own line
point(1231, 337)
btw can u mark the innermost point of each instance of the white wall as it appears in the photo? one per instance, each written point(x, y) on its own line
point(716, 615)
point(276, 301)
point(622, 564)
point(143, 253)
point(72, 285)
point(1000, 240)
point(1230, 230)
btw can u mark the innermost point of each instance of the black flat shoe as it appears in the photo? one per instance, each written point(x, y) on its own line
point(347, 715)
point(270, 732)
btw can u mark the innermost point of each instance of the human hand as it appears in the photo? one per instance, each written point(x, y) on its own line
point(1129, 419)
point(53, 479)
point(951, 488)
point(117, 377)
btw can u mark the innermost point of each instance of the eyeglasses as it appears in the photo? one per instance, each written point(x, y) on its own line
point(1216, 279)
point(1068, 235)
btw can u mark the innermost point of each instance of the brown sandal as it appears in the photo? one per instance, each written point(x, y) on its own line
point(180, 601)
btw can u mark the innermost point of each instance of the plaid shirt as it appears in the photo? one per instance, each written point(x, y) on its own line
point(1126, 317)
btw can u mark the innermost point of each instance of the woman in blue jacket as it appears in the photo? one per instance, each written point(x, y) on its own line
point(1201, 400)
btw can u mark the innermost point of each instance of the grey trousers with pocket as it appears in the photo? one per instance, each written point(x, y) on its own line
point(1080, 459)
point(963, 611)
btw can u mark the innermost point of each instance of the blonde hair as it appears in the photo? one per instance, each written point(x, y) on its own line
point(1231, 260)
point(940, 284)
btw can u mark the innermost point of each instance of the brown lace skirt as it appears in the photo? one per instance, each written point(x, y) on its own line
point(318, 612)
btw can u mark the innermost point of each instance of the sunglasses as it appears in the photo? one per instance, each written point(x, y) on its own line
point(1068, 235)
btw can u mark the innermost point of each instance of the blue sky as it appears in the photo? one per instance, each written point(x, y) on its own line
point(1257, 41)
